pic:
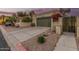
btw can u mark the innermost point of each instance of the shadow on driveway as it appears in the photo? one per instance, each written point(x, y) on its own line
point(3, 44)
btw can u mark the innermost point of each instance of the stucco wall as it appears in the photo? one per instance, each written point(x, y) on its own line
point(55, 26)
point(77, 26)
point(59, 26)
point(34, 18)
point(45, 15)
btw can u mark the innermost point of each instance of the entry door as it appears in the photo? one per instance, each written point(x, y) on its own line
point(69, 24)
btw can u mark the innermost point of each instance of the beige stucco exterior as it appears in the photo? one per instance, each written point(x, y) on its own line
point(57, 26)
point(52, 26)
point(34, 19)
point(44, 15)
point(77, 26)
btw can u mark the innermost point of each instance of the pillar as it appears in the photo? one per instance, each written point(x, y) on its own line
point(34, 20)
point(77, 26)
point(52, 25)
point(59, 26)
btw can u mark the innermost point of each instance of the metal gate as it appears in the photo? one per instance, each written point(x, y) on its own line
point(69, 24)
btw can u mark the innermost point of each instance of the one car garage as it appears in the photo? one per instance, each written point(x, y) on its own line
point(44, 21)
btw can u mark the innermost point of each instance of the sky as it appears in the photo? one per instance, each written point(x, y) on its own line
point(25, 9)
point(15, 9)
point(74, 11)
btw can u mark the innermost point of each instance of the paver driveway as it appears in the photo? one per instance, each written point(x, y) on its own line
point(16, 36)
point(66, 43)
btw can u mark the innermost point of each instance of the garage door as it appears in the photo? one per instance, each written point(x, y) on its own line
point(44, 21)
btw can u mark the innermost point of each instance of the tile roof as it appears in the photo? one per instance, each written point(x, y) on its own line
point(73, 12)
point(44, 10)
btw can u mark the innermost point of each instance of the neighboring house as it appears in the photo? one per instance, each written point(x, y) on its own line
point(4, 16)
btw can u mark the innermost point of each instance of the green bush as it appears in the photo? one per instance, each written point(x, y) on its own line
point(26, 19)
point(41, 39)
point(8, 20)
point(13, 18)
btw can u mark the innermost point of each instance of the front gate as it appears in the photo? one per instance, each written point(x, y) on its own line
point(69, 24)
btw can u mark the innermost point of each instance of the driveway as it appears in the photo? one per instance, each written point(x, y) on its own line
point(66, 42)
point(27, 33)
point(18, 35)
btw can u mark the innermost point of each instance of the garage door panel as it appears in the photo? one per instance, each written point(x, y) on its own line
point(44, 22)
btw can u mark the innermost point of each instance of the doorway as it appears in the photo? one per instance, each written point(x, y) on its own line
point(69, 24)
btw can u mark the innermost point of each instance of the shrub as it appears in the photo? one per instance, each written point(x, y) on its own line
point(26, 19)
point(13, 19)
point(8, 20)
point(21, 14)
point(41, 39)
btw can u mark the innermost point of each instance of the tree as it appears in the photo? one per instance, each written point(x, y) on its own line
point(21, 14)
point(32, 13)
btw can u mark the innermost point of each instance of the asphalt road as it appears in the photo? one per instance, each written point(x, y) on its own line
point(3, 44)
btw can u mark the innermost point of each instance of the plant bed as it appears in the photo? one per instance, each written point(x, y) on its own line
point(26, 22)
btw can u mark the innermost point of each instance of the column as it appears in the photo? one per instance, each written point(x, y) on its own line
point(34, 20)
point(52, 25)
point(59, 26)
point(77, 24)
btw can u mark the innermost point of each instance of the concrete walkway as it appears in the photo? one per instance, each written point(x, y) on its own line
point(66, 43)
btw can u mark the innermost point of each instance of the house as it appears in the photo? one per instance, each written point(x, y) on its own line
point(4, 16)
point(67, 23)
